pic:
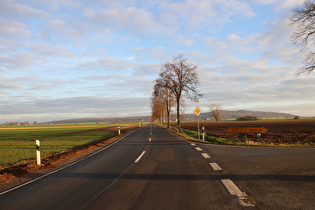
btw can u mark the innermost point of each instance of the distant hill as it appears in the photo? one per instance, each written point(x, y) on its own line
point(242, 113)
point(203, 116)
point(104, 120)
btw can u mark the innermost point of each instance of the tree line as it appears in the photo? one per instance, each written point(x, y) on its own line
point(21, 123)
point(177, 79)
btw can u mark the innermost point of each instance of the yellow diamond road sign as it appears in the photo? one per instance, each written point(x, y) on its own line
point(197, 110)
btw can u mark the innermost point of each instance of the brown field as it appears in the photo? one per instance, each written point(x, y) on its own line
point(279, 131)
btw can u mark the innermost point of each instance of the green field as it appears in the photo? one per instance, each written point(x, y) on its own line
point(17, 144)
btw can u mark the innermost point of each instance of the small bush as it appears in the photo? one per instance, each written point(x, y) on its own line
point(247, 118)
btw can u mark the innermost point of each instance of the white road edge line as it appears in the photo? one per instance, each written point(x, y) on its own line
point(205, 155)
point(198, 148)
point(215, 166)
point(234, 190)
point(140, 156)
point(71, 164)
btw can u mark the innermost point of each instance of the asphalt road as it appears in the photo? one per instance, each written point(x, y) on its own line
point(277, 178)
point(154, 169)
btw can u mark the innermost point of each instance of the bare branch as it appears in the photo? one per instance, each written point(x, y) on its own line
point(304, 18)
point(215, 110)
point(180, 77)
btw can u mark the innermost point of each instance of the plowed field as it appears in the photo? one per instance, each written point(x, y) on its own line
point(279, 131)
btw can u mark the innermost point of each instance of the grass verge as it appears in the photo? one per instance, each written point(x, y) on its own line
point(13, 152)
point(18, 145)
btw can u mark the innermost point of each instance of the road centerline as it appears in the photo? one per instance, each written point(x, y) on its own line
point(215, 166)
point(234, 190)
point(198, 148)
point(205, 155)
point(140, 156)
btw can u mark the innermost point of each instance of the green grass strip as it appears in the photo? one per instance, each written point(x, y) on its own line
point(19, 145)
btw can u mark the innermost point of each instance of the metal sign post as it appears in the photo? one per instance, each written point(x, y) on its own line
point(198, 128)
point(38, 152)
point(197, 111)
point(258, 130)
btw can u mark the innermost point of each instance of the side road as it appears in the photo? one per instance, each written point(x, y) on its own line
point(275, 177)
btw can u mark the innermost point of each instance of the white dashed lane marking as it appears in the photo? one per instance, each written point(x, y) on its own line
point(205, 155)
point(234, 190)
point(215, 166)
point(229, 185)
point(198, 148)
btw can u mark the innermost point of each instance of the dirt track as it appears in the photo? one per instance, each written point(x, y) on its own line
point(279, 131)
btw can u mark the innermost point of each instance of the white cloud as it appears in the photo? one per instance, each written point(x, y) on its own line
point(56, 5)
point(108, 64)
point(273, 45)
point(202, 14)
point(11, 29)
point(17, 61)
point(182, 40)
point(81, 56)
point(62, 29)
point(276, 42)
point(77, 107)
point(281, 4)
point(49, 50)
point(136, 20)
point(11, 9)
point(9, 86)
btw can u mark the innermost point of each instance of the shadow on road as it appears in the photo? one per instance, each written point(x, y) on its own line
point(303, 178)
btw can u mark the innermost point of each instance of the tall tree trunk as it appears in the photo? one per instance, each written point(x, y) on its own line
point(178, 115)
point(168, 116)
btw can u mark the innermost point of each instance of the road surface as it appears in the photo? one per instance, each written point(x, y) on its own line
point(154, 169)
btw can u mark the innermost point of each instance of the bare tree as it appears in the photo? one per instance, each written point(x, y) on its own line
point(180, 78)
point(157, 107)
point(304, 18)
point(215, 110)
point(166, 98)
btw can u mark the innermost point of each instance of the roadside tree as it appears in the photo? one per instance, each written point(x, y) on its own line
point(157, 108)
point(216, 111)
point(180, 78)
point(304, 19)
point(165, 97)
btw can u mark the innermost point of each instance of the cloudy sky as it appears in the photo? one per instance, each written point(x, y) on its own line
point(66, 59)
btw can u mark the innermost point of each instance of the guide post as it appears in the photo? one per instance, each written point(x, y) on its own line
point(38, 152)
